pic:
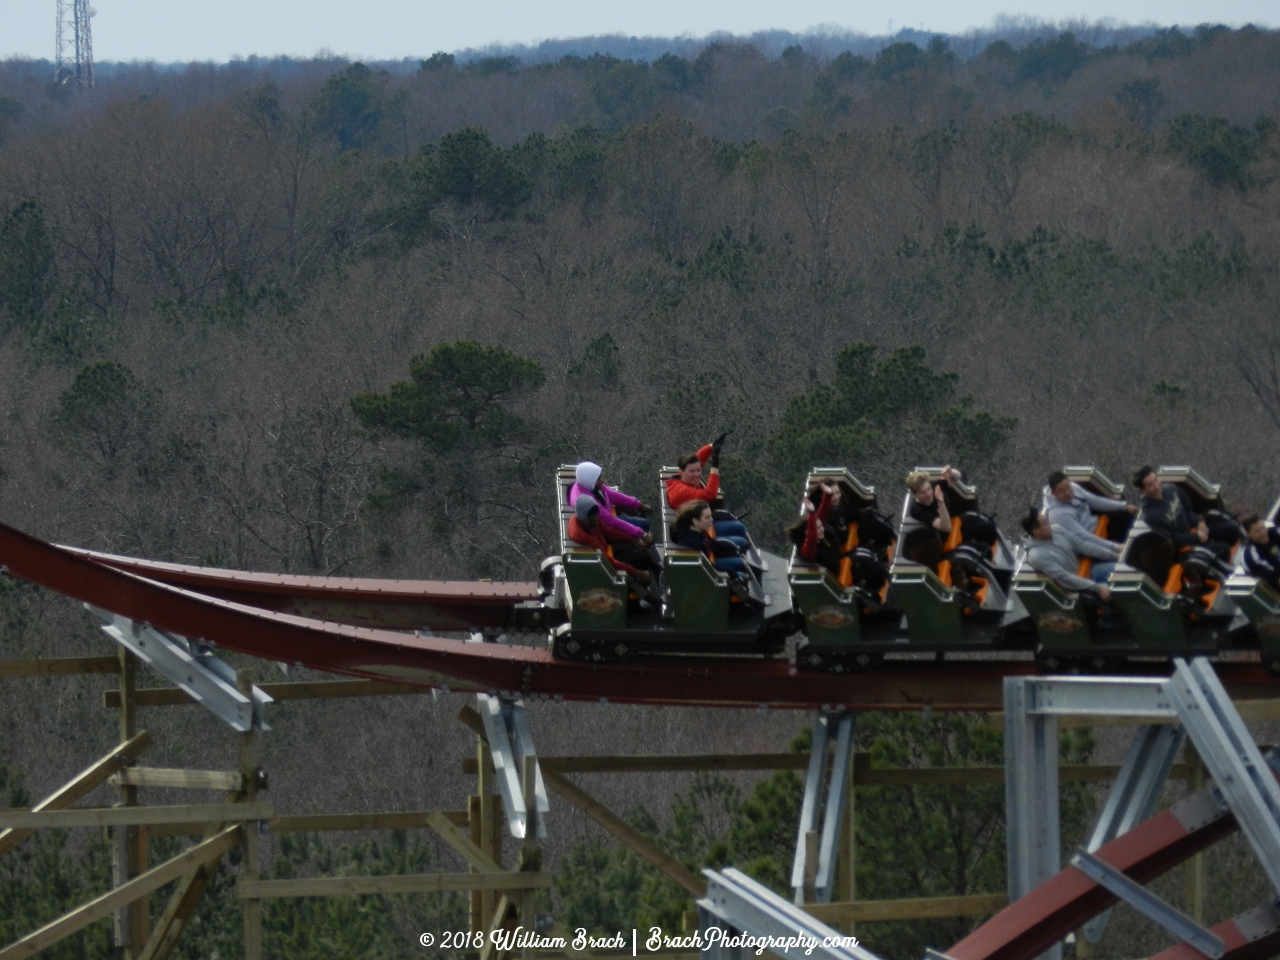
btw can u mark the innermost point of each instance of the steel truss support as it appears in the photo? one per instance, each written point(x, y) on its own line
point(506, 727)
point(1128, 853)
point(1137, 896)
point(819, 877)
point(736, 905)
point(1134, 794)
point(190, 666)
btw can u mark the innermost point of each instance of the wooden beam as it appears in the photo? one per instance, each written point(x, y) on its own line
point(633, 838)
point(324, 823)
point(58, 666)
point(135, 889)
point(183, 901)
point(868, 911)
point(871, 777)
point(403, 883)
point(296, 690)
point(655, 763)
point(177, 779)
point(462, 843)
point(171, 923)
point(81, 784)
point(135, 816)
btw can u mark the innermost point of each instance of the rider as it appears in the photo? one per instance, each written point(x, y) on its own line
point(587, 477)
point(1262, 550)
point(1050, 554)
point(1071, 509)
point(688, 485)
point(585, 528)
point(692, 530)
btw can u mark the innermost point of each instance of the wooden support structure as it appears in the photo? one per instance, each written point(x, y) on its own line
point(183, 902)
point(868, 777)
point(250, 890)
point(249, 847)
point(129, 840)
point(177, 779)
point(134, 891)
point(123, 817)
point(294, 690)
point(867, 911)
point(78, 786)
point(633, 838)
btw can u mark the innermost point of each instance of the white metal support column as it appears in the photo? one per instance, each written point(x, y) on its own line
point(1031, 788)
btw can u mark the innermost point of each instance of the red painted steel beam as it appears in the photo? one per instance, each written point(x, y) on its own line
point(432, 661)
point(1029, 926)
point(393, 604)
point(1253, 935)
point(524, 671)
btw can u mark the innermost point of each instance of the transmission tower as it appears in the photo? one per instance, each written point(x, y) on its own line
point(74, 56)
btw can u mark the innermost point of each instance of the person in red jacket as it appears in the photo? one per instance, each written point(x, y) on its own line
point(689, 484)
point(585, 529)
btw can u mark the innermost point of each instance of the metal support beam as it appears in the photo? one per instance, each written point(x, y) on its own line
point(1134, 794)
point(1148, 904)
point(1233, 759)
point(190, 666)
point(736, 905)
point(821, 876)
point(1031, 788)
point(506, 728)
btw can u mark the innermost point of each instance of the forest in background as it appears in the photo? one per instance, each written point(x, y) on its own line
point(212, 281)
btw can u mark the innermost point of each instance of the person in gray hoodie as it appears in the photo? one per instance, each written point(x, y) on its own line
point(1050, 553)
point(1073, 510)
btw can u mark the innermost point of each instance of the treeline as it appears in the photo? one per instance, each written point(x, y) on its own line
point(734, 90)
point(190, 298)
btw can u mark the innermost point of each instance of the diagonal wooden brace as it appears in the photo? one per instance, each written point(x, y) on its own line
point(77, 787)
point(140, 886)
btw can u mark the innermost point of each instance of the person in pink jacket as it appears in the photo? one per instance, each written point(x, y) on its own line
point(588, 483)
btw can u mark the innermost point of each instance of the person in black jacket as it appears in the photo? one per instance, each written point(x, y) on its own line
point(692, 530)
point(1167, 511)
point(1262, 551)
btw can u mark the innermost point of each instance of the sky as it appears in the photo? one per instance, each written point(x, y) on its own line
point(184, 30)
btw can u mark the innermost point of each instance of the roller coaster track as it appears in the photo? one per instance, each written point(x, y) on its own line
point(348, 626)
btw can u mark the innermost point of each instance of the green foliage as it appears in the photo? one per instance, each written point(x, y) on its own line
point(27, 274)
point(895, 59)
point(885, 411)
point(600, 367)
point(1141, 100)
point(1172, 42)
point(463, 168)
point(458, 398)
point(1053, 61)
point(1221, 150)
point(233, 307)
point(354, 107)
point(108, 410)
point(438, 62)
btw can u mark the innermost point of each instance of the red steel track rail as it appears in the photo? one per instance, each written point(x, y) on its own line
point(393, 604)
point(1253, 935)
point(1029, 926)
point(253, 628)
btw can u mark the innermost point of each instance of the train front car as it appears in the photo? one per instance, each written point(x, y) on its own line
point(849, 614)
point(1174, 600)
point(1259, 602)
point(1070, 631)
point(955, 588)
point(690, 608)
